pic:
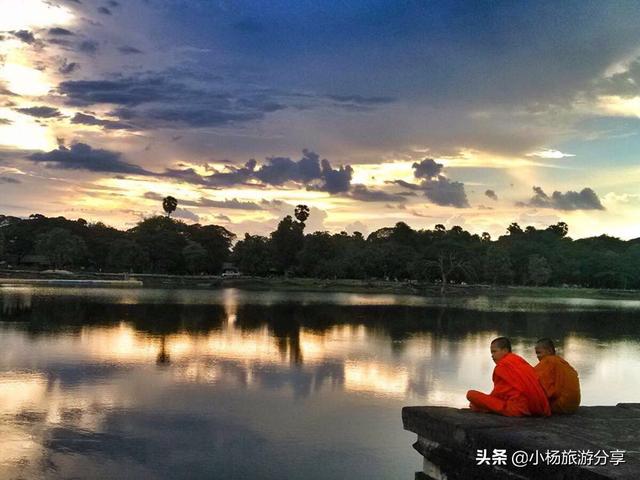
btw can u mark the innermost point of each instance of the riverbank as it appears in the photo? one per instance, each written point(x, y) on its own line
point(28, 277)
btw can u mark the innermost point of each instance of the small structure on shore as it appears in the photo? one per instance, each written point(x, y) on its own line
point(595, 443)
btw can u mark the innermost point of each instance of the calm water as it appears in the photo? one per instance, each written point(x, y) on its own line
point(231, 384)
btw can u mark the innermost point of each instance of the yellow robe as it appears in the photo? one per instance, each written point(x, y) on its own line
point(560, 382)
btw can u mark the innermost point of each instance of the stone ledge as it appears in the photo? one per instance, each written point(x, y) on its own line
point(448, 438)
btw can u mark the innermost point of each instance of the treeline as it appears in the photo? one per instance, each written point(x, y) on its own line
point(160, 244)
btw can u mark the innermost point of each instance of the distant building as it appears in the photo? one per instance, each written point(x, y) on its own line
point(230, 270)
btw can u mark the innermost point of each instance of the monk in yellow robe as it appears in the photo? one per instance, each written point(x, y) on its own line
point(558, 378)
point(516, 392)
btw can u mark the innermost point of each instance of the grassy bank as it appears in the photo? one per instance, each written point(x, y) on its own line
point(322, 285)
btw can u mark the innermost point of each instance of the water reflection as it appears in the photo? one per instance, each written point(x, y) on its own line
point(108, 383)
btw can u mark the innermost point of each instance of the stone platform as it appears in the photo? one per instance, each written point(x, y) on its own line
point(449, 440)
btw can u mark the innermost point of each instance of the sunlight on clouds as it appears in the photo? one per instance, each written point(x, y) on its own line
point(24, 132)
point(378, 174)
point(24, 80)
point(550, 153)
point(627, 107)
point(26, 14)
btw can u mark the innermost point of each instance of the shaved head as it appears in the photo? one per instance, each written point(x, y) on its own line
point(502, 343)
point(547, 344)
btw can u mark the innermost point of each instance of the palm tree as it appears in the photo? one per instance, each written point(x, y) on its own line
point(169, 204)
point(302, 213)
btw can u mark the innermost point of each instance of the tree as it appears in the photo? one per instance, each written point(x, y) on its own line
point(560, 229)
point(301, 213)
point(538, 270)
point(126, 256)
point(61, 247)
point(514, 229)
point(497, 266)
point(286, 242)
point(195, 257)
point(169, 204)
point(252, 255)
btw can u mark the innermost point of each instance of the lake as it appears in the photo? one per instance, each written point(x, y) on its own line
point(107, 383)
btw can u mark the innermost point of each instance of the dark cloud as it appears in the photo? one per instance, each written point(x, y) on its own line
point(129, 50)
point(335, 180)
point(68, 68)
point(364, 194)
point(25, 36)
point(4, 121)
point(279, 170)
point(189, 116)
point(427, 168)
point(152, 101)
point(83, 157)
point(113, 3)
point(309, 171)
point(88, 46)
point(9, 180)
point(60, 31)
point(443, 191)
point(491, 194)
point(86, 119)
point(185, 214)
point(586, 199)
point(233, 175)
point(128, 91)
point(40, 112)
point(104, 10)
point(437, 188)
point(361, 100)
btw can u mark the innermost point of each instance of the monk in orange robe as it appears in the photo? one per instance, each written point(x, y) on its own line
point(558, 378)
point(516, 389)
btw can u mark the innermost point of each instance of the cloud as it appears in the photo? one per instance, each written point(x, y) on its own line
point(427, 168)
point(9, 180)
point(233, 204)
point(4, 121)
point(60, 31)
point(128, 91)
point(129, 50)
point(279, 170)
point(88, 46)
point(586, 199)
point(86, 119)
point(554, 154)
point(443, 191)
point(491, 194)
point(335, 180)
point(104, 10)
point(83, 157)
point(361, 100)
point(25, 36)
point(68, 68)
point(309, 171)
point(40, 112)
point(185, 214)
point(364, 194)
point(437, 188)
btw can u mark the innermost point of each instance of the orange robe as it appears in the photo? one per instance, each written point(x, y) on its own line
point(516, 390)
point(560, 383)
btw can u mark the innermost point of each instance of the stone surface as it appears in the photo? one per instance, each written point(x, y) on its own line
point(449, 439)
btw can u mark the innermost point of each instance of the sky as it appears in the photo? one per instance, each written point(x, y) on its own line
point(475, 114)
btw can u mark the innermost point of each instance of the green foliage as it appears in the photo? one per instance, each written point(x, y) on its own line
point(125, 255)
point(161, 244)
point(61, 247)
point(195, 257)
point(538, 269)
